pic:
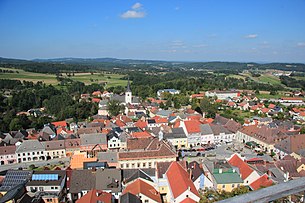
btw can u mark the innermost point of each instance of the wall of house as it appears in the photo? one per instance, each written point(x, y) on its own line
point(206, 139)
point(228, 187)
point(59, 153)
point(179, 142)
point(251, 178)
point(114, 143)
point(8, 159)
point(35, 155)
point(143, 163)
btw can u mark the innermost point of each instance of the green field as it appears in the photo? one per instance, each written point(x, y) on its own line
point(87, 78)
point(267, 78)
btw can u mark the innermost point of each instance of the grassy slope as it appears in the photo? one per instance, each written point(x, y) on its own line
point(87, 78)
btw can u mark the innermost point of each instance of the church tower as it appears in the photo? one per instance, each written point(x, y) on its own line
point(128, 94)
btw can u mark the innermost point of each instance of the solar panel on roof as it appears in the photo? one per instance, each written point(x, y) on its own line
point(45, 177)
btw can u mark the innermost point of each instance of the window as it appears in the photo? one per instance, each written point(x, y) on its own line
point(223, 186)
point(127, 165)
point(144, 165)
point(52, 188)
point(56, 188)
point(110, 145)
point(23, 154)
point(29, 153)
point(146, 201)
point(33, 153)
point(139, 165)
point(149, 164)
point(233, 185)
point(132, 165)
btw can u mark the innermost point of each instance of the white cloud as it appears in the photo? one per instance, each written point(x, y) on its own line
point(251, 36)
point(169, 51)
point(301, 44)
point(136, 11)
point(133, 14)
point(177, 8)
point(137, 6)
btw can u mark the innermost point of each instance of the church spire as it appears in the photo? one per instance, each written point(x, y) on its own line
point(128, 86)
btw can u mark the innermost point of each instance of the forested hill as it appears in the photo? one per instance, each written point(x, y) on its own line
point(90, 64)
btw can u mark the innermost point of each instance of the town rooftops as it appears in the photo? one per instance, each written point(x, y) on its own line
point(147, 148)
point(227, 178)
point(175, 134)
point(192, 126)
point(54, 177)
point(95, 196)
point(54, 144)
point(29, 146)
point(15, 177)
point(6, 150)
point(179, 180)
point(141, 187)
point(243, 167)
point(293, 143)
point(93, 139)
point(82, 180)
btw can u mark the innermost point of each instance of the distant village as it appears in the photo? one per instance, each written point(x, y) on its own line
point(151, 155)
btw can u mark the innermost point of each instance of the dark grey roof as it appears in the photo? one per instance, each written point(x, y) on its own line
point(110, 157)
point(138, 174)
point(176, 133)
point(82, 180)
point(95, 164)
point(150, 121)
point(129, 198)
point(128, 86)
point(108, 179)
point(126, 173)
point(112, 134)
point(94, 138)
point(29, 146)
point(164, 113)
point(13, 194)
point(206, 129)
point(15, 177)
point(61, 177)
point(54, 144)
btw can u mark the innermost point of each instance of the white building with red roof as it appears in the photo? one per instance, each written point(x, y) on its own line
point(181, 187)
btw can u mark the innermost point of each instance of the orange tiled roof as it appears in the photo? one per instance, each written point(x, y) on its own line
point(179, 181)
point(141, 187)
point(143, 134)
point(188, 200)
point(141, 124)
point(60, 124)
point(192, 126)
point(244, 169)
point(77, 160)
point(263, 181)
point(93, 196)
point(96, 100)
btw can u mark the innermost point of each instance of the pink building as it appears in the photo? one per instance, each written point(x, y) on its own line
point(7, 155)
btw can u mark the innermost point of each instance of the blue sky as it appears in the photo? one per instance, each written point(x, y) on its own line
point(189, 30)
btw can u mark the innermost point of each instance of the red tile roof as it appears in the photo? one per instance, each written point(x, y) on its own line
point(96, 100)
point(188, 200)
point(263, 181)
point(179, 180)
point(197, 95)
point(60, 124)
point(93, 196)
point(192, 126)
point(291, 98)
point(141, 124)
point(141, 187)
point(143, 134)
point(244, 169)
point(96, 93)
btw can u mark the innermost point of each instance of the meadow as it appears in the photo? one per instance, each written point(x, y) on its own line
point(87, 78)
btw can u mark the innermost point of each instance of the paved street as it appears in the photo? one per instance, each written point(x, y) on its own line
point(66, 160)
point(226, 150)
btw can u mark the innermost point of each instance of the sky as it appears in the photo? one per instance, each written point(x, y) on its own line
point(179, 30)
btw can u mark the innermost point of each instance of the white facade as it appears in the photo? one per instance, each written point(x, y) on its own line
point(222, 94)
point(114, 143)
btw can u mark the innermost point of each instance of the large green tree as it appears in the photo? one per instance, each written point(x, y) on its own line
point(114, 107)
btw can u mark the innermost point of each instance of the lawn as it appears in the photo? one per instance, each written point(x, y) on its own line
point(267, 78)
point(87, 78)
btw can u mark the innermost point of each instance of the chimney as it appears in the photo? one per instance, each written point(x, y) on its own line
point(191, 173)
point(220, 170)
